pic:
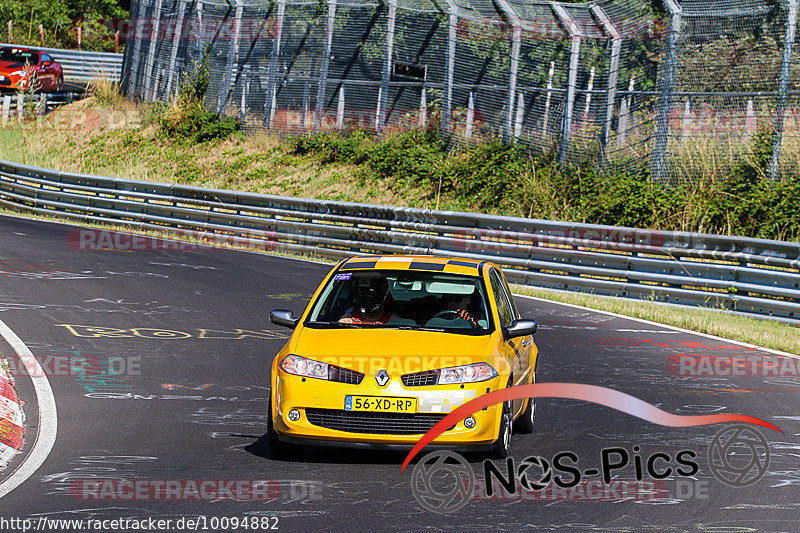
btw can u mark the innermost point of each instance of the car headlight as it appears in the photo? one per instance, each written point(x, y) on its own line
point(466, 374)
point(300, 366)
point(18, 73)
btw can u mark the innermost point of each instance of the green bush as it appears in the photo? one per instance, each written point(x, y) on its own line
point(186, 119)
point(504, 179)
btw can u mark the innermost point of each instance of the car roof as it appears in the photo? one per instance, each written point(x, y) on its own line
point(450, 265)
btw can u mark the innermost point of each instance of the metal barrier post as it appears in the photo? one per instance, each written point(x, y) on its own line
point(176, 41)
point(450, 66)
point(325, 64)
point(137, 54)
point(272, 80)
point(783, 87)
point(659, 164)
point(231, 60)
point(613, 73)
point(151, 54)
point(386, 75)
point(572, 82)
point(509, 131)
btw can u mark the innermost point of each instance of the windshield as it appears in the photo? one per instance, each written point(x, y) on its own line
point(403, 299)
point(19, 56)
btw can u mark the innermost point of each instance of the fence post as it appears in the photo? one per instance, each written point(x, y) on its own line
point(659, 164)
point(470, 117)
point(20, 106)
point(176, 41)
point(450, 65)
point(386, 75)
point(200, 30)
point(233, 58)
point(6, 107)
point(624, 111)
point(509, 131)
point(272, 80)
point(135, 75)
point(423, 108)
point(340, 109)
point(325, 65)
point(750, 118)
point(783, 87)
point(151, 54)
point(546, 117)
point(613, 74)
point(575, 52)
point(520, 118)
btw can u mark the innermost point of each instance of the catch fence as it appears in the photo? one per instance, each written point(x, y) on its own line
point(684, 86)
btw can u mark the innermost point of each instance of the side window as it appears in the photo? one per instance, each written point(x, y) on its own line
point(46, 57)
point(514, 311)
point(500, 298)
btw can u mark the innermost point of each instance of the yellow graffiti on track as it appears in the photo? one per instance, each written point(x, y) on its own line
point(169, 334)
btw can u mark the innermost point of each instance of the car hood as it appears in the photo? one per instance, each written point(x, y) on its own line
point(7, 67)
point(369, 349)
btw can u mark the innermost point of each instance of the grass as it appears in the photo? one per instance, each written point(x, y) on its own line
point(766, 333)
point(761, 332)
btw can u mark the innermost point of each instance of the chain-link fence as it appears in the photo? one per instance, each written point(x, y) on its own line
point(689, 87)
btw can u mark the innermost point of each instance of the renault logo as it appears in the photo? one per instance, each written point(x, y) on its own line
point(382, 378)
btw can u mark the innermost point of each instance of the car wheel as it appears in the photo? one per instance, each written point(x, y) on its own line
point(59, 84)
point(277, 448)
point(502, 445)
point(524, 424)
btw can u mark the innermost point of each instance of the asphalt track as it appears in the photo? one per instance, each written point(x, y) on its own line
point(195, 407)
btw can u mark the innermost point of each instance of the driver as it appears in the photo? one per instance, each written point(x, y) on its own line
point(459, 303)
point(369, 304)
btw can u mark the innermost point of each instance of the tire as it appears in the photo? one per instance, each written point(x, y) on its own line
point(524, 424)
point(277, 449)
point(502, 445)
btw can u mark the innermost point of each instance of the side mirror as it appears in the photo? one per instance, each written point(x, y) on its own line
point(47, 63)
point(520, 328)
point(283, 317)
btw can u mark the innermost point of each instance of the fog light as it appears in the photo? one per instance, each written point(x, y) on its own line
point(294, 415)
point(469, 422)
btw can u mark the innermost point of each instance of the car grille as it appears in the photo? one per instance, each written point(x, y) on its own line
point(343, 375)
point(375, 423)
point(420, 379)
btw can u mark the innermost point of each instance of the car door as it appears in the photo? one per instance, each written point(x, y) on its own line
point(46, 72)
point(506, 313)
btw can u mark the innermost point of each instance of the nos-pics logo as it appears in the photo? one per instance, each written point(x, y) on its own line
point(444, 482)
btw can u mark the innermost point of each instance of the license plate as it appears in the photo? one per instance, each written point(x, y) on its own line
point(380, 404)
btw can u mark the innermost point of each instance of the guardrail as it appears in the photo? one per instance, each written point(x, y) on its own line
point(80, 66)
point(20, 105)
point(750, 276)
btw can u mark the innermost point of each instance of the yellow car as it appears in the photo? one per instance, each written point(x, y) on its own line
point(391, 344)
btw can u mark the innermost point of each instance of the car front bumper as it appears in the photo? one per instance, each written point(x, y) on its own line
point(324, 420)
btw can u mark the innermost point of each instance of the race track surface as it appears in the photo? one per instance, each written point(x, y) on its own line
point(192, 344)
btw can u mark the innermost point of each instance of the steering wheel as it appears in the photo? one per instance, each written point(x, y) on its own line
point(447, 314)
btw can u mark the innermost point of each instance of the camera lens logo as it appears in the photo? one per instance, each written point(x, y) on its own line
point(524, 470)
point(442, 482)
point(738, 455)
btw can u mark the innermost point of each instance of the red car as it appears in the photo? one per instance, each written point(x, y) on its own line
point(20, 68)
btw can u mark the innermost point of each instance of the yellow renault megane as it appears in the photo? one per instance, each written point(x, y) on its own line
point(389, 345)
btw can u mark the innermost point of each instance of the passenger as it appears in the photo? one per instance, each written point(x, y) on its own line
point(369, 305)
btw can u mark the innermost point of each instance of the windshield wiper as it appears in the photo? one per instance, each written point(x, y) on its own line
point(419, 328)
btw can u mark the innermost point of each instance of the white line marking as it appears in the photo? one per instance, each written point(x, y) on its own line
point(48, 417)
point(674, 328)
